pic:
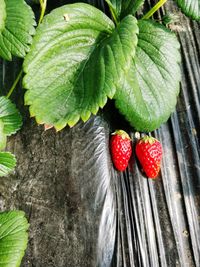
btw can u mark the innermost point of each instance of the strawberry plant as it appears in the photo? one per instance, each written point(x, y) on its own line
point(77, 57)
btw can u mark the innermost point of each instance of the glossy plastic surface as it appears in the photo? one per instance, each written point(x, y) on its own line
point(82, 212)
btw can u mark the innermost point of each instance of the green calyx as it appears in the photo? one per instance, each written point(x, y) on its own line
point(122, 133)
point(148, 139)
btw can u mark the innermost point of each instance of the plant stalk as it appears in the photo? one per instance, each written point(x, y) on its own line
point(43, 5)
point(112, 11)
point(113, 15)
point(154, 9)
point(15, 83)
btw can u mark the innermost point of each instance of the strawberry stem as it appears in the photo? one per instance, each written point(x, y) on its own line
point(112, 11)
point(43, 5)
point(154, 9)
point(15, 84)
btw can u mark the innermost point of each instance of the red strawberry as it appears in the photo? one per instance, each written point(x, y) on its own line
point(149, 153)
point(121, 149)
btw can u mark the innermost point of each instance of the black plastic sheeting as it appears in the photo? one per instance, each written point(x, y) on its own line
point(83, 213)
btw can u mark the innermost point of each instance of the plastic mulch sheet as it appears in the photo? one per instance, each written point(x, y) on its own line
point(82, 212)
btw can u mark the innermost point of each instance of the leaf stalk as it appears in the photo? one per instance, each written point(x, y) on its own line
point(43, 5)
point(112, 11)
point(154, 9)
point(113, 15)
point(15, 83)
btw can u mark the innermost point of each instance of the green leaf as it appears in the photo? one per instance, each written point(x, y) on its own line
point(7, 164)
point(190, 8)
point(76, 61)
point(2, 14)
point(10, 116)
point(149, 92)
point(13, 238)
point(122, 8)
point(2, 136)
point(133, 7)
point(16, 28)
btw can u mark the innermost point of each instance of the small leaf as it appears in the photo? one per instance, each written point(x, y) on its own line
point(16, 28)
point(170, 18)
point(190, 8)
point(123, 8)
point(13, 238)
point(149, 92)
point(7, 163)
point(10, 116)
point(2, 136)
point(75, 64)
point(133, 7)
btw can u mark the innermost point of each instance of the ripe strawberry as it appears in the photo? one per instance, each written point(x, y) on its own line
point(149, 153)
point(121, 149)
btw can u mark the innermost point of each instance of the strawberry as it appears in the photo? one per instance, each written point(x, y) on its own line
point(121, 149)
point(149, 154)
